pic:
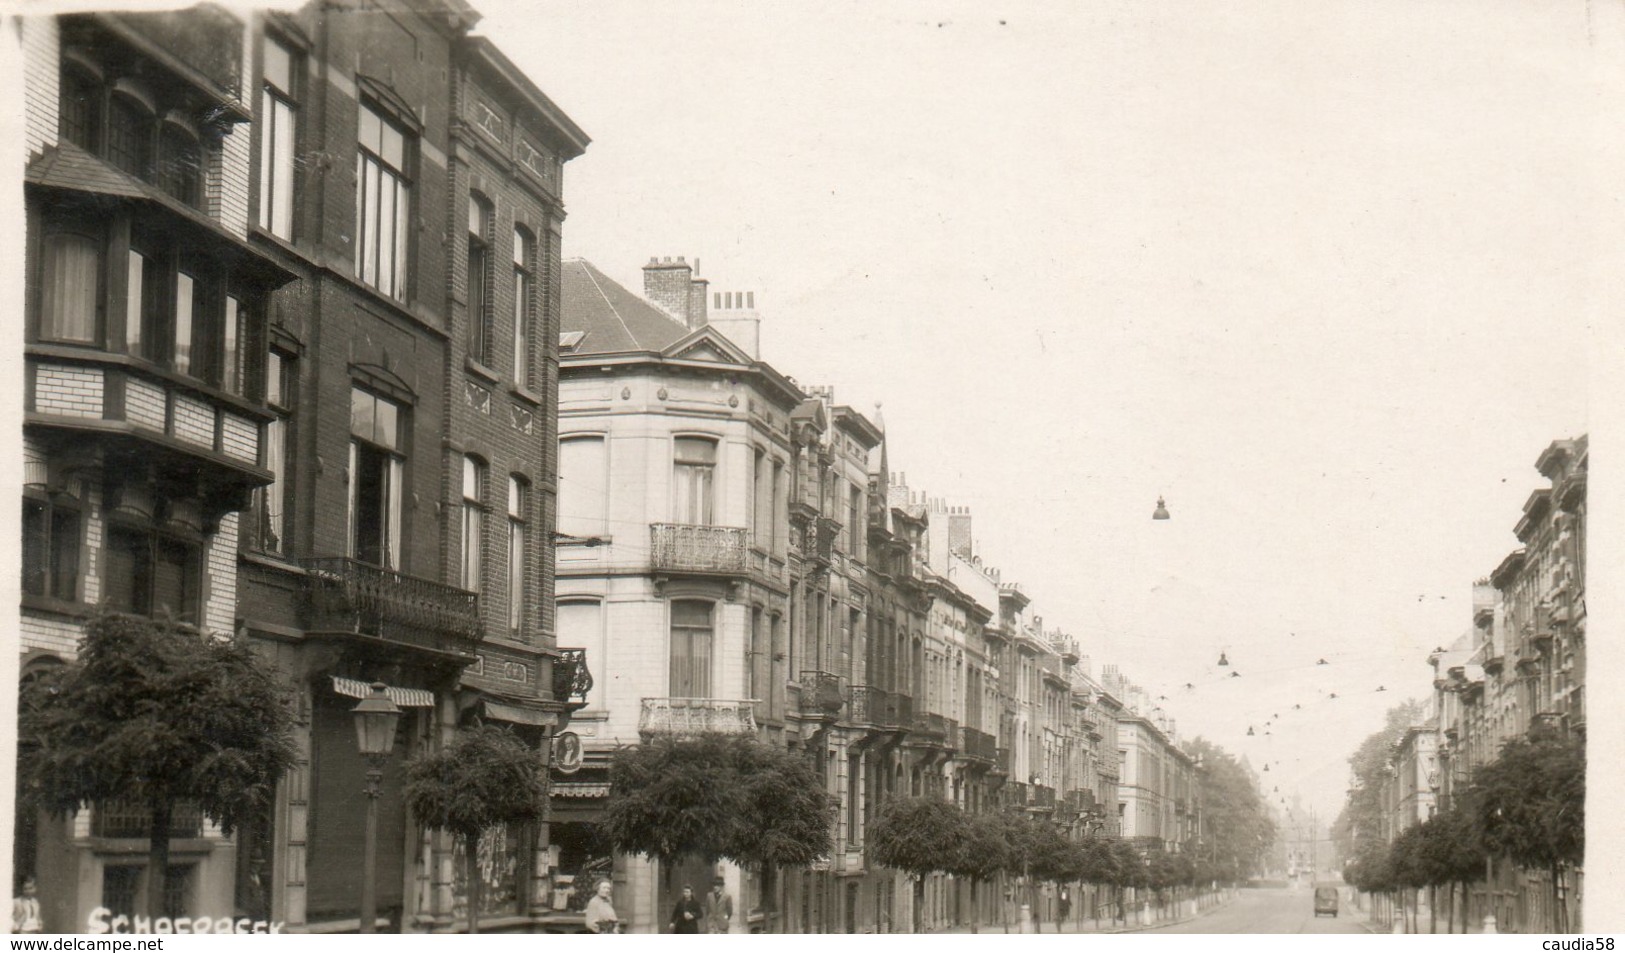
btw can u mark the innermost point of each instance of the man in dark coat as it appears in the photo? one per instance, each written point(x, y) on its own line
point(686, 916)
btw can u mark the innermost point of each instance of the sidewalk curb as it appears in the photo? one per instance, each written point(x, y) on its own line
point(1174, 922)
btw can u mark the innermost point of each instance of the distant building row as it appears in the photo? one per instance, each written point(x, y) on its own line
point(1522, 663)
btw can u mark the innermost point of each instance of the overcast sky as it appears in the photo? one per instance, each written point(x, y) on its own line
point(1318, 274)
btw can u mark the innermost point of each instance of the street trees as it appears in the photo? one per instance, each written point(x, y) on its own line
point(1530, 805)
point(155, 713)
point(920, 836)
point(1233, 812)
point(485, 777)
point(715, 797)
point(981, 854)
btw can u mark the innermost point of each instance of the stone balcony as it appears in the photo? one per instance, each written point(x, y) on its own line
point(692, 549)
point(684, 717)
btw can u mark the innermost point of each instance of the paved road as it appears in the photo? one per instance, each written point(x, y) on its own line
point(1289, 910)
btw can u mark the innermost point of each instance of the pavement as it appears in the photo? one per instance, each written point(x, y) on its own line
point(1091, 926)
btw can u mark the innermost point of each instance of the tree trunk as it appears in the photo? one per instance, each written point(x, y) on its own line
point(1433, 909)
point(975, 912)
point(474, 885)
point(1557, 920)
point(919, 903)
point(158, 856)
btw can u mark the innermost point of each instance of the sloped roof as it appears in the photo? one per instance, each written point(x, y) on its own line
point(612, 319)
point(67, 166)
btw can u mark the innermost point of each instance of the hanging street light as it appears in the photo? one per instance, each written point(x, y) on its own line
point(1222, 659)
point(1161, 512)
point(375, 719)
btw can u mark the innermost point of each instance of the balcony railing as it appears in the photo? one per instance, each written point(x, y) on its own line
point(978, 745)
point(821, 693)
point(874, 706)
point(905, 708)
point(349, 596)
point(929, 725)
point(696, 716)
point(685, 547)
point(571, 680)
point(1016, 794)
point(1042, 797)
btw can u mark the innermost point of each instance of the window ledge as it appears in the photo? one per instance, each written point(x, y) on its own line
point(526, 394)
point(57, 607)
point(270, 561)
point(481, 371)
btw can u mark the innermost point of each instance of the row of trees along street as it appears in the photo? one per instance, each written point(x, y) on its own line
point(1526, 808)
point(732, 797)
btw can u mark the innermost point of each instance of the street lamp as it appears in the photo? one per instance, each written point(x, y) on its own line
point(375, 718)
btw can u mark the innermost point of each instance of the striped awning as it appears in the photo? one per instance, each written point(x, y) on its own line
point(404, 697)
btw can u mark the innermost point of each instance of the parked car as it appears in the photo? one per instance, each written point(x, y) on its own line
point(1325, 900)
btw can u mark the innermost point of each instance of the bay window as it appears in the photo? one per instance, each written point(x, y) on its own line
point(52, 528)
point(70, 297)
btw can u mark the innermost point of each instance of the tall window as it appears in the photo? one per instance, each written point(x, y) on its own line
point(383, 204)
point(854, 522)
point(70, 298)
point(233, 346)
point(271, 505)
point(139, 313)
point(518, 502)
point(277, 140)
point(473, 522)
point(80, 117)
point(185, 311)
point(581, 625)
point(479, 279)
point(50, 556)
point(524, 249)
point(694, 465)
point(377, 472)
point(583, 485)
point(180, 164)
point(691, 649)
point(129, 135)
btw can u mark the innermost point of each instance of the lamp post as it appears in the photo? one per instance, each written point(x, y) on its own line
point(375, 719)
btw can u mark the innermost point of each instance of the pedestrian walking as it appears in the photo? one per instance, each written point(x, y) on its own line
point(687, 916)
point(600, 913)
point(719, 911)
point(25, 909)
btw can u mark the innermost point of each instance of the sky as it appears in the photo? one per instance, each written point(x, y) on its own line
point(1321, 275)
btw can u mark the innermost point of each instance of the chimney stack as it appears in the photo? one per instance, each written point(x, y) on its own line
point(959, 536)
point(672, 287)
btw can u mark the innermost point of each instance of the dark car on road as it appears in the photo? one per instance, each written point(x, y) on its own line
point(1325, 900)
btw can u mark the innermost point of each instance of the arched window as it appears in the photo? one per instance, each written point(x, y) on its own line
point(180, 163)
point(129, 135)
point(79, 117)
point(691, 637)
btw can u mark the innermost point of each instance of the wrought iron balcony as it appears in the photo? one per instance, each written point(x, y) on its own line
point(904, 710)
point(1042, 797)
point(930, 726)
point(1015, 794)
point(690, 548)
point(873, 706)
point(978, 745)
point(696, 716)
point(346, 595)
point(571, 680)
point(821, 694)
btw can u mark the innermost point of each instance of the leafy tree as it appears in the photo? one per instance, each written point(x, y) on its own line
point(922, 836)
point(484, 777)
point(1360, 820)
point(1050, 856)
point(1530, 802)
point(981, 853)
point(156, 712)
point(717, 796)
point(1234, 813)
